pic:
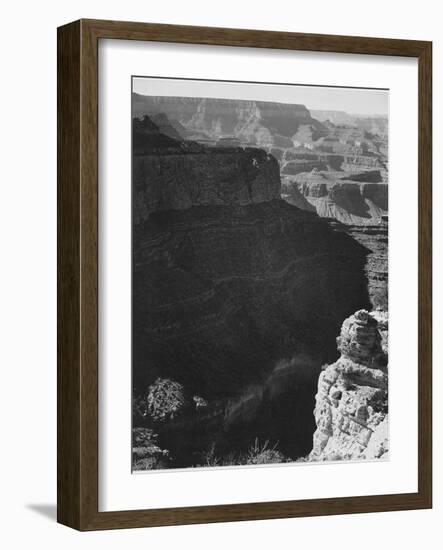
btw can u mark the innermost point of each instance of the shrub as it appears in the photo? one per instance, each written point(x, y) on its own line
point(146, 453)
point(210, 458)
point(258, 454)
point(166, 399)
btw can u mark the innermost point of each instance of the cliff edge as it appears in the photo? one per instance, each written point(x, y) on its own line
point(169, 174)
point(351, 411)
point(228, 278)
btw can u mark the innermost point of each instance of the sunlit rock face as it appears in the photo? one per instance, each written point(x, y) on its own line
point(356, 208)
point(173, 174)
point(351, 411)
point(257, 230)
point(336, 117)
point(227, 277)
point(377, 125)
point(260, 123)
point(351, 199)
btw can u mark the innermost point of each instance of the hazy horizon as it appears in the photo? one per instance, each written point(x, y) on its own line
point(353, 101)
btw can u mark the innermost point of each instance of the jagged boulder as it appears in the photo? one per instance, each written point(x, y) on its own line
point(351, 409)
point(360, 340)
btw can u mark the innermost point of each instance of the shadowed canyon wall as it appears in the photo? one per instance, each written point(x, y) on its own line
point(256, 230)
point(230, 279)
point(347, 201)
point(177, 175)
point(358, 209)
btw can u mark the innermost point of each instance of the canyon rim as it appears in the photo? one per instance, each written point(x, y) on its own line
point(259, 276)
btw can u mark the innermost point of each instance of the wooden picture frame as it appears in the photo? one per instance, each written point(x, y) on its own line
point(78, 282)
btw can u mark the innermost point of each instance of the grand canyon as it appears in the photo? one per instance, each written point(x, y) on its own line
point(260, 283)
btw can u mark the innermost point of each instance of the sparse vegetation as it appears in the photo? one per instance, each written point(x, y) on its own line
point(210, 457)
point(263, 454)
point(258, 453)
point(166, 399)
point(146, 453)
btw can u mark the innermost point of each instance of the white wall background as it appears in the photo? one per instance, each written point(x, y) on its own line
point(28, 273)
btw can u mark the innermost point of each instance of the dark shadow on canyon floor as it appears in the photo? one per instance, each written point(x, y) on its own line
point(223, 297)
point(238, 296)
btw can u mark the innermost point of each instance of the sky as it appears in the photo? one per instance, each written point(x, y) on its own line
point(367, 102)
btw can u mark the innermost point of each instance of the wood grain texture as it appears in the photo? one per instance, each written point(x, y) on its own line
point(254, 38)
point(425, 273)
point(78, 269)
point(68, 275)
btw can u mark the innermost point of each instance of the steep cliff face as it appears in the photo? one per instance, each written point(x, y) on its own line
point(375, 239)
point(374, 125)
point(238, 295)
point(293, 167)
point(174, 174)
point(351, 411)
point(255, 122)
point(336, 117)
point(342, 198)
point(224, 291)
point(298, 160)
point(358, 209)
point(177, 181)
point(227, 277)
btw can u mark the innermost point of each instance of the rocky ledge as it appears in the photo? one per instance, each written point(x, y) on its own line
point(169, 174)
point(260, 123)
point(332, 195)
point(228, 278)
point(351, 411)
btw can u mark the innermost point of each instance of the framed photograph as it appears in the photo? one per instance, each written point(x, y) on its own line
point(244, 275)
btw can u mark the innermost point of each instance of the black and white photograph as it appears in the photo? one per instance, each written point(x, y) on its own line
point(220, 284)
point(259, 275)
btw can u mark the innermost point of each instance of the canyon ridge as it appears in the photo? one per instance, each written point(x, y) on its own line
point(260, 276)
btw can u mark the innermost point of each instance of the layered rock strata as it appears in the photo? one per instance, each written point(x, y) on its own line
point(173, 174)
point(220, 292)
point(377, 125)
point(227, 277)
point(375, 239)
point(358, 209)
point(351, 411)
point(353, 199)
point(261, 123)
point(217, 177)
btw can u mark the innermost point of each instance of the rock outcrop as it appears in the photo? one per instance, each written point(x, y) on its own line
point(223, 291)
point(357, 208)
point(300, 159)
point(227, 277)
point(336, 117)
point(375, 239)
point(375, 125)
point(294, 167)
point(351, 410)
point(169, 174)
point(350, 199)
point(210, 178)
point(241, 284)
point(261, 123)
